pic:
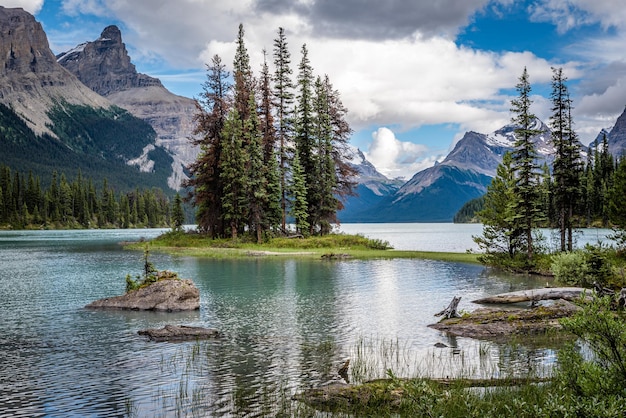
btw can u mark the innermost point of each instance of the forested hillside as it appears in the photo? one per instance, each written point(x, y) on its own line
point(80, 203)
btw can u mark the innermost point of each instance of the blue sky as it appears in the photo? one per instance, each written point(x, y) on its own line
point(414, 75)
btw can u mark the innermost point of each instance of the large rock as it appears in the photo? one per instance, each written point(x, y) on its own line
point(165, 295)
point(179, 333)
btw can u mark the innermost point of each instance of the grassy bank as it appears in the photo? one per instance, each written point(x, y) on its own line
point(333, 246)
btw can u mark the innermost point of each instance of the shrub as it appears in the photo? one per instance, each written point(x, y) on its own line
point(604, 333)
point(571, 268)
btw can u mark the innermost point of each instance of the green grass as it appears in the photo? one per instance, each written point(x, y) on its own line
point(339, 245)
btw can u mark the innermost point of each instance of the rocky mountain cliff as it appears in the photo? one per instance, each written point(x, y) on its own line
point(617, 136)
point(437, 193)
point(51, 121)
point(105, 66)
point(31, 81)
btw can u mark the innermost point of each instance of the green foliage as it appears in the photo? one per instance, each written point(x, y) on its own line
point(583, 267)
point(85, 136)
point(603, 373)
point(150, 274)
point(76, 204)
point(264, 159)
point(570, 268)
point(469, 211)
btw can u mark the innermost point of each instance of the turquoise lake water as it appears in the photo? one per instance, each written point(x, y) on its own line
point(287, 324)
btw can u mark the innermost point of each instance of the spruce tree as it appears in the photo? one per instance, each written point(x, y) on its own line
point(567, 163)
point(617, 197)
point(502, 232)
point(256, 183)
point(528, 212)
point(205, 183)
point(270, 168)
point(341, 132)
point(233, 174)
point(178, 214)
point(283, 103)
point(299, 205)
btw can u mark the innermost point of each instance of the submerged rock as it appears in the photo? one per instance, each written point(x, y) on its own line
point(179, 333)
point(164, 295)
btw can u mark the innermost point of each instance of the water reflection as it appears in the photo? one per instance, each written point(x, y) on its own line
point(287, 325)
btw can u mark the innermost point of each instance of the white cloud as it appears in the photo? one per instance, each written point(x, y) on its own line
point(32, 6)
point(395, 158)
point(568, 14)
point(405, 81)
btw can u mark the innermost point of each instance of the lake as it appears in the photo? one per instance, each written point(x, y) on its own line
point(287, 324)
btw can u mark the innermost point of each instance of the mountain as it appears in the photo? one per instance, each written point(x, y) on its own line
point(372, 187)
point(50, 121)
point(105, 67)
point(617, 136)
point(437, 193)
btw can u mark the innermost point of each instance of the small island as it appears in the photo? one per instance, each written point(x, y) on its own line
point(158, 291)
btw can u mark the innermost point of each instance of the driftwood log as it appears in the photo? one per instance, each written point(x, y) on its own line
point(534, 295)
point(450, 311)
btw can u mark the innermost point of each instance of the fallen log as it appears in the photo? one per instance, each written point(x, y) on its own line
point(534, 295)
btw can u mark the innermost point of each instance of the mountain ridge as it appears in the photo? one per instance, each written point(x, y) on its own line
point(105, 66)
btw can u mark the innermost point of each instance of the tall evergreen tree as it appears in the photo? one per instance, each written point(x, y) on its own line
point(232, 172)
point(205, 183)
point(256, 184)
point(341, 132)
point(283, 103)
point(272, 209)
point(299, 205)
point(567, 163)
point(502, 231)
point(617, 209)
point(178, 214)
point(528, 211)
point(242, 75)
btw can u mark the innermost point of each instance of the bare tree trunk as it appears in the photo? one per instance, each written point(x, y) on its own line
point(450, 311)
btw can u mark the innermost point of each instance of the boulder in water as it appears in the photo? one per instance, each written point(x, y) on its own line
point(167, 295)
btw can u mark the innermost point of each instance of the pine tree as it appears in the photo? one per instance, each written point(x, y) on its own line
point(242, 75)
point(284, 99)
point(256, 182)
point(272, 208)
point(617, 197)
point(233, 174)
point(299, 205)
point(528, 213)
point(178, 215)
point(502, 232)
point(304, 140)
point(205, 183)
point(567, 163)
point(345, 173)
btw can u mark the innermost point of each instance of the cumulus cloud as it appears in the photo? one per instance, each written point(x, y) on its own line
point(395, 63)
point(395, 158)
point(568, 14)
point(375, 19)
point(32, 6)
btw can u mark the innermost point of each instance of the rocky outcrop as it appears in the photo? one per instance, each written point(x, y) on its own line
point(31, 80)
point(502, 324)
point(168, 295)
point(105, 66)
point(175, 333)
